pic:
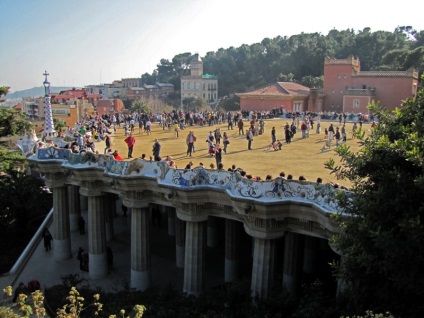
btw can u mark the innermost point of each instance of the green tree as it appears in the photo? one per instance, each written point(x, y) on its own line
point(12, 123)
point(140, 107)
point(4, 90)
point(382, 237)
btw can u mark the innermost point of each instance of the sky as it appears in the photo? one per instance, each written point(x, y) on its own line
point(91, 42)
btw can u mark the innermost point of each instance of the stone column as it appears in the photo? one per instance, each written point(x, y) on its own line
point(97, 253)
point(180, 239)
point(74, 207)
point(291, 262)
point(61, 228)
point(310, 254)
point(171, 220)
point(110, 211)
point(140, 249)
point(212, 237)
point(232, 235)
point(84, 203)
point(263, 267)
point(194, 264)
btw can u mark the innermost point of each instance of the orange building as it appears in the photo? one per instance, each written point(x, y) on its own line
point(66, 95)
point(291, 97)
point(346, 89)
point(109, 106)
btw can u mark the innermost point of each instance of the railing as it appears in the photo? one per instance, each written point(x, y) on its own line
point(30, 248)
point(232, 183)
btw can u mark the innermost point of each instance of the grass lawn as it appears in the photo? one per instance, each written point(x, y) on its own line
point(301, 157)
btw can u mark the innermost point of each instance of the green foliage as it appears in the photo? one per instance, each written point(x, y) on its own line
point(230, 104)
point(140, 107)
point(23, 197)
point(74, 306)
point(59, 126)
point(13, 123)
point(4, 90)
point(194, 104)
point(256, 65)
point(382, 238)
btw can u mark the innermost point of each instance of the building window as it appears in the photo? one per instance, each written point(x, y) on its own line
point(298, 106)
point(356, 104)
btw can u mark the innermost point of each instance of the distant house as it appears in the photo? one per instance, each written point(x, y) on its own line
point(346, 89)
point(109, 106)
point(149, 91)
point(288, 96)
point(198, 84)
point(66, 95)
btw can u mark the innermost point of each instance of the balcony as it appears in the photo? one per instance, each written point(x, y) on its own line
point(360, 91)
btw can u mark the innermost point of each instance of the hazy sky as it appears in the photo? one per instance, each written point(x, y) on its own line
point(85, 42)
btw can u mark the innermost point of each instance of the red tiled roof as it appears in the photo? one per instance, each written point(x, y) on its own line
point(279, 89)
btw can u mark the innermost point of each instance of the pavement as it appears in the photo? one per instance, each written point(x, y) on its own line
point(48, 272)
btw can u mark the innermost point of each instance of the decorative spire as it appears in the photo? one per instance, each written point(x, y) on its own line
point(49, 132)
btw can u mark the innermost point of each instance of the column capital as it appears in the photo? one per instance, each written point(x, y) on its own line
point(55, 179)
point(192, 212)
point(135, 199)
point(91, 188)
point(263, 228)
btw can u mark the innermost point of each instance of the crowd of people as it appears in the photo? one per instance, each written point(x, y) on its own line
point(248, 123)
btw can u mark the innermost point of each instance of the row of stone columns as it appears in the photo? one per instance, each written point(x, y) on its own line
point(191, 240)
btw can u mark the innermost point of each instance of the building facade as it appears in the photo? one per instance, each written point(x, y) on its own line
point(149, 91)
point(348, 89)
point(198, 84)
point(284, 96)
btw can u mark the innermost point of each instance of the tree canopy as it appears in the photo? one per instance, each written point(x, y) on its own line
point(382, 237)
point(299, 58)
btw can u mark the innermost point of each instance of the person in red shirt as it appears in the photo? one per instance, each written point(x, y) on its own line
point(117, 156)
point(130, 141)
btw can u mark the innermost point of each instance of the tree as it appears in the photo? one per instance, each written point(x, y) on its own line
point(4, 90)
point(22, 197)
point(382, 237)
point(140, 107)
point(12, 123)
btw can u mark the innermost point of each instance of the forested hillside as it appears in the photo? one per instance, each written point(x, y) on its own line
point(298, 58)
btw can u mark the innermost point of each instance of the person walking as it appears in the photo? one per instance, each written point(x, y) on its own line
point(273, 135)
point(108, 142)
point(48, 238)
point(190, 139)
point(218, 155)
point(156, 150)
point(130, 141)
point(249, 137)
point(240, 126)
point(217, 134)
point(81, 225)
point(225, 141)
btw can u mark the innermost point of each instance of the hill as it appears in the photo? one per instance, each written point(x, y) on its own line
point(35, 92)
